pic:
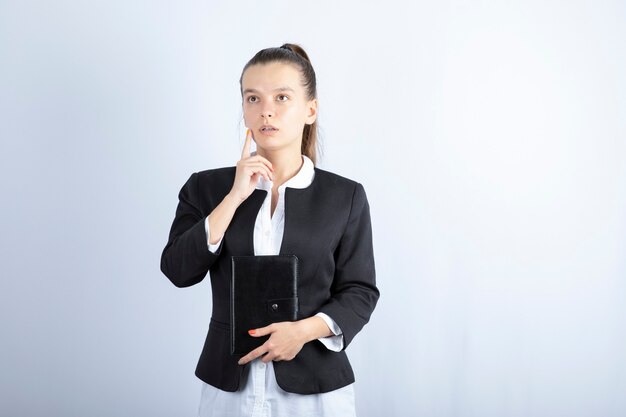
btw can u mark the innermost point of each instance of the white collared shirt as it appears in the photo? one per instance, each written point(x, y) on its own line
point(261, 396)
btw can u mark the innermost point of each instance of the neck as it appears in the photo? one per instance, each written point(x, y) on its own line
point(286, 164)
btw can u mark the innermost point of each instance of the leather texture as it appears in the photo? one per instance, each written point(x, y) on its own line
point(264, 290)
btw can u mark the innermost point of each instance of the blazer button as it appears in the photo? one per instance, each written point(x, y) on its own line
point(274, 306)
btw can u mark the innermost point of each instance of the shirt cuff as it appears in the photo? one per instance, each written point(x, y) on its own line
point(215, 246)
point(334, 343)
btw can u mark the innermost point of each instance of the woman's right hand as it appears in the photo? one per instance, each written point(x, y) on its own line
point(249, 170)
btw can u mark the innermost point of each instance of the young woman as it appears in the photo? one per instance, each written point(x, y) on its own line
point(278, 202)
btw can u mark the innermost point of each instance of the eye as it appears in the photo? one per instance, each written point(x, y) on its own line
point(283, 95)
point(249, 97)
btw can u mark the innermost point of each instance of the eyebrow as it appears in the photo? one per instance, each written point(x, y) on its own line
point(252, 90)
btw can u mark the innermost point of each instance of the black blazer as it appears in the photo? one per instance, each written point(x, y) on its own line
point(327, 225)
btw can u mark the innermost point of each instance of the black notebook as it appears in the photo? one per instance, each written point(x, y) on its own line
point(264, 290)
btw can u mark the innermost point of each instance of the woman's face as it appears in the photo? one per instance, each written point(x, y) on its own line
point(272, 95)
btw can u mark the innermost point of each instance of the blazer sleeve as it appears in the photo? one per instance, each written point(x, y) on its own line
point(186, 260)
point(353, 292)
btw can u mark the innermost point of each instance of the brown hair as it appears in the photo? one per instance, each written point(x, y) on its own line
point(293, 54)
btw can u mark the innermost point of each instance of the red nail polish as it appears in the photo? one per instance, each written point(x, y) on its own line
point(251, 331)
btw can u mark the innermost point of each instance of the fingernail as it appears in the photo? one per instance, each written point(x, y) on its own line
point(251, 331)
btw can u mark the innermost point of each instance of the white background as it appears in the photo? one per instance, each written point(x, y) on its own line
point(490, 139)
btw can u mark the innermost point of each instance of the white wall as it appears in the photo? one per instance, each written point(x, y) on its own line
point(489, 136)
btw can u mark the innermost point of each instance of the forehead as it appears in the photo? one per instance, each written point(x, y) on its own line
point(270, 77)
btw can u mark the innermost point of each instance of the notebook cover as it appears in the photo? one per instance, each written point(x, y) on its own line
point(264, 290)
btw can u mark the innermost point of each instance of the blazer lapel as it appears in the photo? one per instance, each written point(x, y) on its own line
point(297, 208)
point(241, 229)
point(298, 221)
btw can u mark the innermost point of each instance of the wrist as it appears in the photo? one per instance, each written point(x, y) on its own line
point(233, 199)
point(313, 328)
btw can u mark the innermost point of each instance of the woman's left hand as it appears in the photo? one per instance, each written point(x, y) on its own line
point(286, 340)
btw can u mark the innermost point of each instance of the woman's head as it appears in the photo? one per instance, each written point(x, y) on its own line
point(278, 87)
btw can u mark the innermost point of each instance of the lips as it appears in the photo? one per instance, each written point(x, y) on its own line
point(268, 128)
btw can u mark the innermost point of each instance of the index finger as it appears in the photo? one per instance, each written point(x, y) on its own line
point(260, 351)
point(245, 153)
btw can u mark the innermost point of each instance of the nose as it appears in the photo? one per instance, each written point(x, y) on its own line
point(267, 111)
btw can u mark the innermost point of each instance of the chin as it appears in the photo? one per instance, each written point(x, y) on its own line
point(271, 144)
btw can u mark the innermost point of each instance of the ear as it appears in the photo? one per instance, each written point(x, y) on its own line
point(311, 111)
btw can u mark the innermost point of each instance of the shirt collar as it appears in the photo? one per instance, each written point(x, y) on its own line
point(302, 179)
